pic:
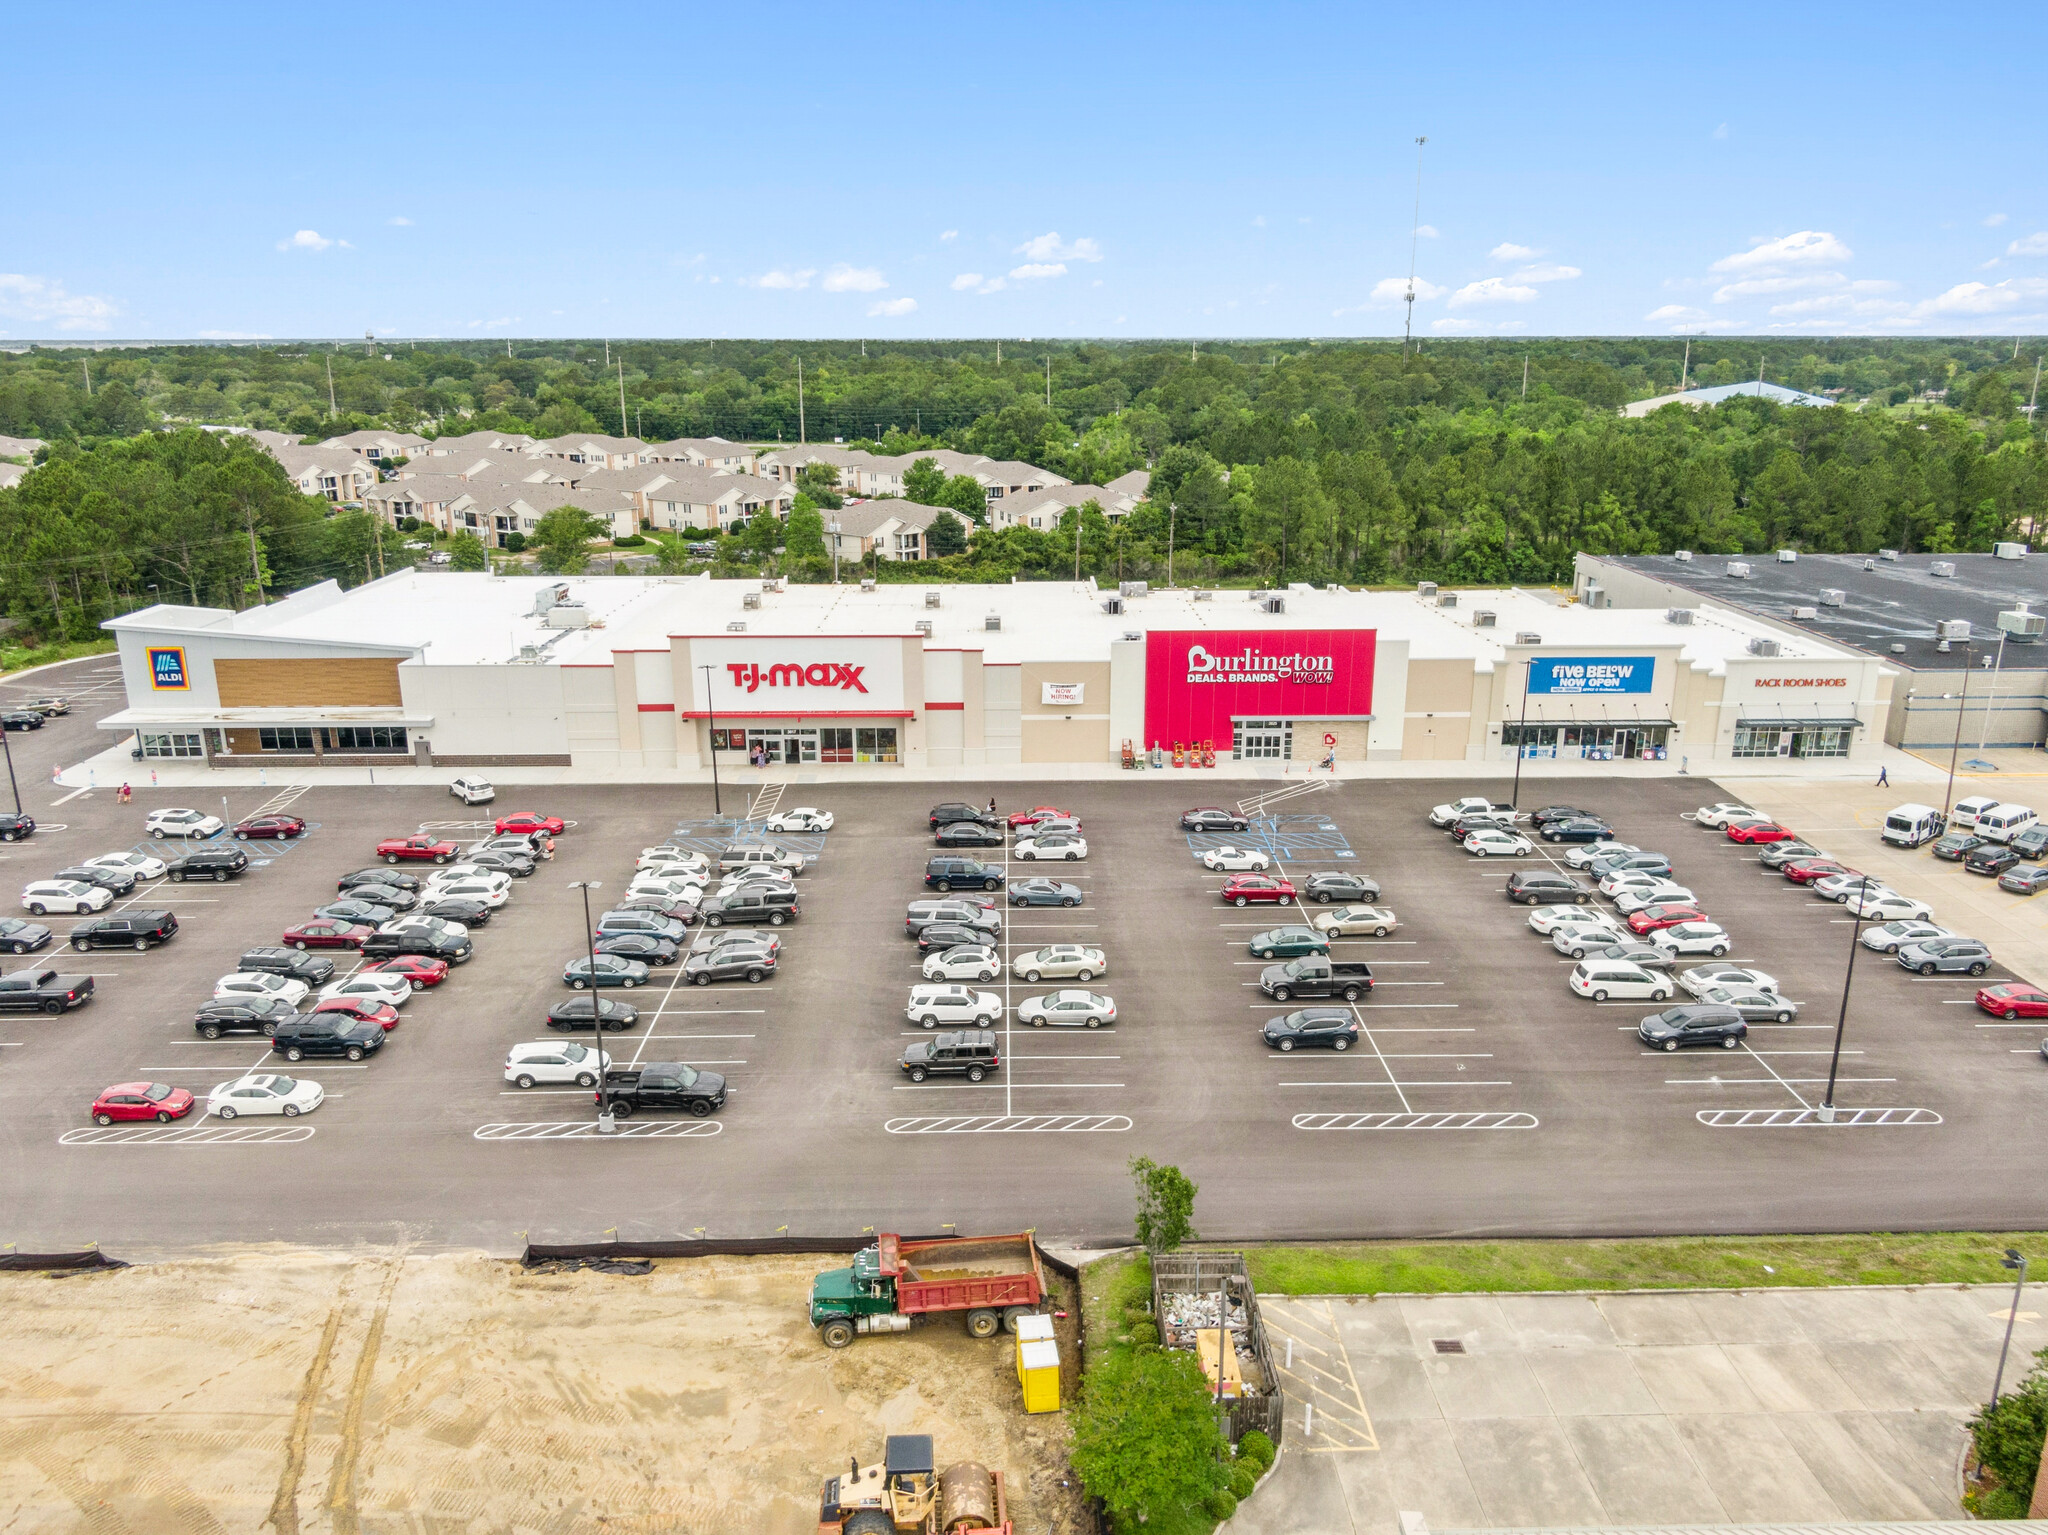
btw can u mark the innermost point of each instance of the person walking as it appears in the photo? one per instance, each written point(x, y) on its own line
point(1884, 777)
point(125, 795)
point(991, 804)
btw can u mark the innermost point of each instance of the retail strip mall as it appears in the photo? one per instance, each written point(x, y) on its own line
point(624, 672)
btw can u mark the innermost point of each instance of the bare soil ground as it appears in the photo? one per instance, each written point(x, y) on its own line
point(316, 1392)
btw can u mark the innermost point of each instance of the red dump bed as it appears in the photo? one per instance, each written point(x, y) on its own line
point(963, 1273)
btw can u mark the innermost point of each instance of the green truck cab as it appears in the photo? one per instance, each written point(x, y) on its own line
point(994, 1280)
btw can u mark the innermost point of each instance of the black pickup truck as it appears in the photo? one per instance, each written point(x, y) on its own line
point(661, 1085)
point(42, 991)
point(1315, 976)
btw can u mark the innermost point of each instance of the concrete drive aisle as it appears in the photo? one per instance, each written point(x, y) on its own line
point(1720, 1407)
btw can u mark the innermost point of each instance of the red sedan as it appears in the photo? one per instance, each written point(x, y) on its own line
point(1757, 831)
point(2012, 1001)
point(416, 968)
point(1804, 871)
point(1038, 813)
point(1651, 918)
point(526, 820)
point(141, 1100)
point(283, 826)
point(1247, 888)
point(327, 933)
point(383, 1014)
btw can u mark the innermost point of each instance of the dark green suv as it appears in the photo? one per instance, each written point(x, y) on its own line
point(969, 1053)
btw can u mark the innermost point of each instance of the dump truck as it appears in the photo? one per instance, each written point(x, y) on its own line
point(904, 1494)
point(995, 1280)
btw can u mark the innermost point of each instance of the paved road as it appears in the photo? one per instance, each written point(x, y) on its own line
point(1472, 1026)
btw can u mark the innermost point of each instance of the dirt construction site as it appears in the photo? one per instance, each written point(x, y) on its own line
point(302, 1391)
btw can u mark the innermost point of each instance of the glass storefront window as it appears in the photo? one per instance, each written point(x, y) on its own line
point(1793, 741)
point(175, 744)
point(1252, 739)
point(364, 738)
point(874, 743)
point(285, 738)
point(1594, 742)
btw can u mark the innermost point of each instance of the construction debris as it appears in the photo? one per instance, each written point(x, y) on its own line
point(1186, 1313)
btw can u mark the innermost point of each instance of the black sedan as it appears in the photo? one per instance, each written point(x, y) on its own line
point(397, 897)
point(1341, 885)
point(1551, 813)
point(242, 1015)
point(1679, 1028)
point(968, 834)
point(937, 937)
point(456, 908)
point(577, 1012)
point(1324, 1028)
point(1957, 845)
point(504, 861)
point(648, 948)
point(1777, 854)
point(1994, 858)
point(20, 937)
point(1210, 818)
point(120, 881)
point(366, 912)
point(22, 719)
point(1578, 831)
point(390, 879)
point(1044, 892)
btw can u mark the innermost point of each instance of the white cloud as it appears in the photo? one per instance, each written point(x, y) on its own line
point(498, 324)
point(1507, 250)
point(1673, 313)
point(1427, 231)
point(1051, 248)
point(1259, 221)
point(2030, 245)
point(1032, 269)
point(965, 281)
point(1394, 290)
point(950, 234)
point(36, 298)
point(1983, 298)
point(892, 307)
point(1846, 306)
point(1801, 282)
point(1454, 325)
point(305, 240)
point(1491, 290)
point(1993, 220)
point(1721, 132)
point(234, 335)
point(848, 279)
point(1809, 247)
point(782, 279)
point(399, 219)
point(1549, 272)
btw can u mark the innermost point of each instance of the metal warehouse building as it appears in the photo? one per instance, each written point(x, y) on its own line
point(658, 673)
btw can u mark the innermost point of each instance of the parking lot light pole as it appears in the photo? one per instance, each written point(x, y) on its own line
point(1522, 732)
point(1956, 746)
point(7, 745)
point(711, 736)
point(606, 1124)
point(1827, 1103)
point(2011, 1260)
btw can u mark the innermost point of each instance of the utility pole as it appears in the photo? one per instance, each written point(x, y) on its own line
point(622, 393)
point(1414, 234)
point(1525, 377)
point(331, 411)
point(1077, 543)
point(800, 435)
point(255, 564)
point(1172, 508)
point(1685, 368)
point(1048, 381)
point(86, 363)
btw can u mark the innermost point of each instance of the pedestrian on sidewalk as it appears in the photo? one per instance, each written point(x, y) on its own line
point(1884, 779)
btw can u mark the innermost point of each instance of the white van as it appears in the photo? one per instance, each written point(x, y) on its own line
point(1601, 979)
point(1911, 825)
point(1964, 816)
point(2001, 822)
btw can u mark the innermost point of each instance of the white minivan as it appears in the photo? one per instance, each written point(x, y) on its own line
point(1911, 825)
point(1602, 979)
point(1964, 816)
point(2001, 823)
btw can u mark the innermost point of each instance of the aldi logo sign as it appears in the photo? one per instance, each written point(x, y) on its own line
point(167, 673)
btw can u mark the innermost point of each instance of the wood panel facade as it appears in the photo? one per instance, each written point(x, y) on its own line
point(309, 682)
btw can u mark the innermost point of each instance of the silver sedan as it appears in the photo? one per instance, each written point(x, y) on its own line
point(1060, 962)
point(1069, 1009)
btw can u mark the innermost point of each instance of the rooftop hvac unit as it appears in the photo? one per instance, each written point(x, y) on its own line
point(1870, 564)
point(931, 597)
point(1133, 589)
point(737, 626)
point(529, 652)
point(1425, 588)
point(1447, 599)
point(2020, 624)
point(568, 615)
point(1942, 646)
point(1738, 569)
point(1806, 612)
point(1204, 596)
point(992, 623)
point(1112, 604)
point(750, 599)
point(867, 583)
point(1683, 556)
point(1943, 568)
point(1888, 554)
point(1788, 556)
point(924, 627)
point(547, 597)
point(1133, 634)
point(1952, 629)
point(1678, 615)
point(1276, 604)
point(1763, 647)
point(1259, 595)
point(771, 583)
point(1482, 618)
point(2008, 551)
point(1831, 596)
point(1897, 648)
point(1526, 638)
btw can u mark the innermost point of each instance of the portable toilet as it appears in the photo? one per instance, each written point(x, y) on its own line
point(1038, 1364)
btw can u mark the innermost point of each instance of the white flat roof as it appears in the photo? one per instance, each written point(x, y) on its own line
point(456, 619)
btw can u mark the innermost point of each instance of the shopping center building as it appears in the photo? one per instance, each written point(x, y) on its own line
point(629, 673)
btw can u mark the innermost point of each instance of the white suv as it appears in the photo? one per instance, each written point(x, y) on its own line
point(473, 791)
point(45, 895)
point(182, 823)
point(761, 857)
point(549, 1060)
point(931, 1006)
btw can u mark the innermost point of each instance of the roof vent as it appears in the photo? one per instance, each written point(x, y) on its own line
point(1260, 594)
point(1870, 564)
point(931, 597)
point(2008, 551)
point(993, 623)
point(529, 652)
point(771, 583)
point(1678, 615)
point(1888, 554)
point(1897, 648)
point(867, 583)
point(1526, 638)
point(1952, 629)
point(1738, 569)
point(1683, 556)
point(1276, 604)
point(1942, 646)
point(1806, 612)
point(737, 626)
point(1831, 596)
point(1483, 618)
point(2022, 625)
point(1763, 647)
point(1425, 588)
point(1788, 556)
point(924, 627)
point(750, 599)
point(1942, 568)
point(1447, 600)
point(1112, 604)
point(1134, 588)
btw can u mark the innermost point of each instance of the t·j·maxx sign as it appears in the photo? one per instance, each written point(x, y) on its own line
point(820, 674)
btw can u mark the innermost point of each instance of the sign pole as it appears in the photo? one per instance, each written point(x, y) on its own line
point(1522, 732)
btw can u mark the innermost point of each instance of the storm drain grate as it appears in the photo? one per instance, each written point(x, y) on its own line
point(1448, 1345)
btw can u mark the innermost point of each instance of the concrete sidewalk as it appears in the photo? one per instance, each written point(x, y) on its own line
point(1704, 1407)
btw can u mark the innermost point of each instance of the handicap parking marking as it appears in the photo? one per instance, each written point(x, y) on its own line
point(1439, 1119)
point(578, 1130)
point(1008, 1124)
point(1843, 1118)
point(211, 1134)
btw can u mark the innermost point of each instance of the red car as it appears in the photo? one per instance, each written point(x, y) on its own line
point(526, 820)
point(2013, 1001)
point(327, 933)
point(1757, 831)
point(383, 1014)
point(1650, 918)
point(141, 1100)
point(1804, 871)
point(415, 850)
point(285, 826)
point(1246, 888)
point(1038, 813)
point(416, 968)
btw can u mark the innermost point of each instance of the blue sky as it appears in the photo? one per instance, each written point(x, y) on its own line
point(1052, 170)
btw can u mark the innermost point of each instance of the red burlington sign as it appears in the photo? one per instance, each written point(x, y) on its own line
point(1198, 680)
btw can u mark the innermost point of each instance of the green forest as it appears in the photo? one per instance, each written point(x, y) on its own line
point(1471, 461)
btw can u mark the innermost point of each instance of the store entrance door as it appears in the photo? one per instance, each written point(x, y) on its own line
point(1267, 739)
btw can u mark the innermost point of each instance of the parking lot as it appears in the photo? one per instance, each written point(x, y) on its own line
point(1483, 1095)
